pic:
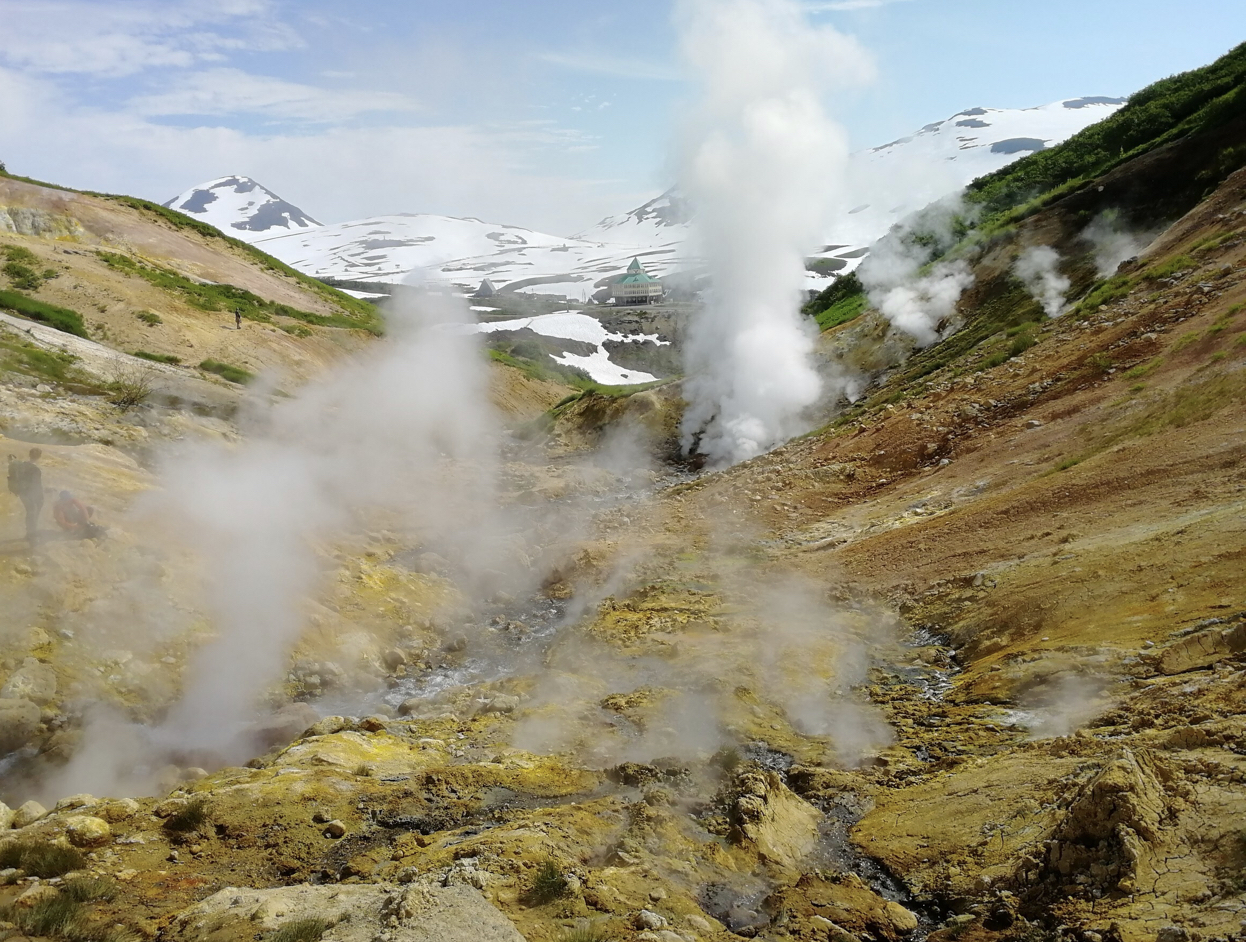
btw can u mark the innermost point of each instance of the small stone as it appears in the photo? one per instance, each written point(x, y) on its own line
point(320, 818)
point(394, 659)
point(647, 919)
point(657, 895)
point(28, 814)
point(125, 876)
point(701, 924)
point(335, 829)
point(85, 830)
point(1033, 423)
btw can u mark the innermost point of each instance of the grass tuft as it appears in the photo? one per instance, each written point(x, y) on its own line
point(190, 817)
point(548, 884)
point(91, 889)
point(158, 357)
point(41, 860)
point(235, 374)
point(300, 930)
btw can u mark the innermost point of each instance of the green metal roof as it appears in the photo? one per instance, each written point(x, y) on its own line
point(636, 275)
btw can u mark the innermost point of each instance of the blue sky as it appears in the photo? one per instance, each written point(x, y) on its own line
point(546, 114)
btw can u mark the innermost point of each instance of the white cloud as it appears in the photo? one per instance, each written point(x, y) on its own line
point(842, 5)
point(497, 172)
point(118, 39)
point(620, 67)
point(234, 92)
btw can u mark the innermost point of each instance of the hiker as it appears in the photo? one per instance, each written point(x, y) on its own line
point(26, 481)
point(74, 517)
point(237, 319)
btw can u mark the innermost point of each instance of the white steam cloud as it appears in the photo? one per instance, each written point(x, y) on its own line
point(1038, 269)
point(918, 302)
point(762, 164)
point(406, 430)
point(1113, 242)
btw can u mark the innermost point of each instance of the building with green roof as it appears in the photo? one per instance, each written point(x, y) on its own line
point(636, 287)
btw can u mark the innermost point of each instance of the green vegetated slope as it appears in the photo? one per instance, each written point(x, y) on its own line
point(1191, 103)
point(355, 313)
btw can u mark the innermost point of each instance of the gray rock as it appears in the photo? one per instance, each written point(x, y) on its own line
point(1172, 934)
point(19, 722)
point(647, 919)
point(502, 704)
point(417, 912)
point(34, 681)
point(28, 814)
point(328, 726)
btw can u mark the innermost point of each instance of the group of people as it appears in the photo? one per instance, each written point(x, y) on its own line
point(71, 515)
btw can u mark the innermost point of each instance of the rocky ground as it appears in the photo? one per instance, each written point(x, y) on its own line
point(969, 663)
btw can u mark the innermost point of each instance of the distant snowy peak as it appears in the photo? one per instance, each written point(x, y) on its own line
point(1000, 135)
point(242, 208)
point(668, 214)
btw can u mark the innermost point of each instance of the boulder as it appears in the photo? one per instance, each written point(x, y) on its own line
point(28, 814)
point(6, 817)
point(1112, 823)
point(122, 809)
point(418, 912)
point(84, 830)
point(73, 802)
point(903, 921)
point(1203, 649)
point(34, 681)
point(782, 826)
point(19, 722)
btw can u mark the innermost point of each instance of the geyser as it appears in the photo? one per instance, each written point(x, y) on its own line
point(762, 163)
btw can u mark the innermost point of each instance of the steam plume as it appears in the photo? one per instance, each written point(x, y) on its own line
point(762, 163)
point(916, 302)
point(1038, 271)
point(406, 429)
point(1113, 241)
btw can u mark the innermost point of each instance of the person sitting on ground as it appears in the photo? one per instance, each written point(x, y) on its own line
point(74, 517)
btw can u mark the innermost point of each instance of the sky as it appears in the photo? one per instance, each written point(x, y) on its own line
point(547, 114)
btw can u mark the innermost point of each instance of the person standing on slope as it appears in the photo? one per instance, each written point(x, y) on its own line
point(238, 318)
point(26, 481)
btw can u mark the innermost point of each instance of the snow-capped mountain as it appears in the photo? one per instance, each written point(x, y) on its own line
point(658, 222)
point(242, 208)
point(882, 186)
point(451, 251)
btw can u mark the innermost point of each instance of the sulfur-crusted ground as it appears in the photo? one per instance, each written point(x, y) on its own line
point(968, 664)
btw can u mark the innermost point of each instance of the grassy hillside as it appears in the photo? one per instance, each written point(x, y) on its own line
point(1191, 103)
point(364, 315)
